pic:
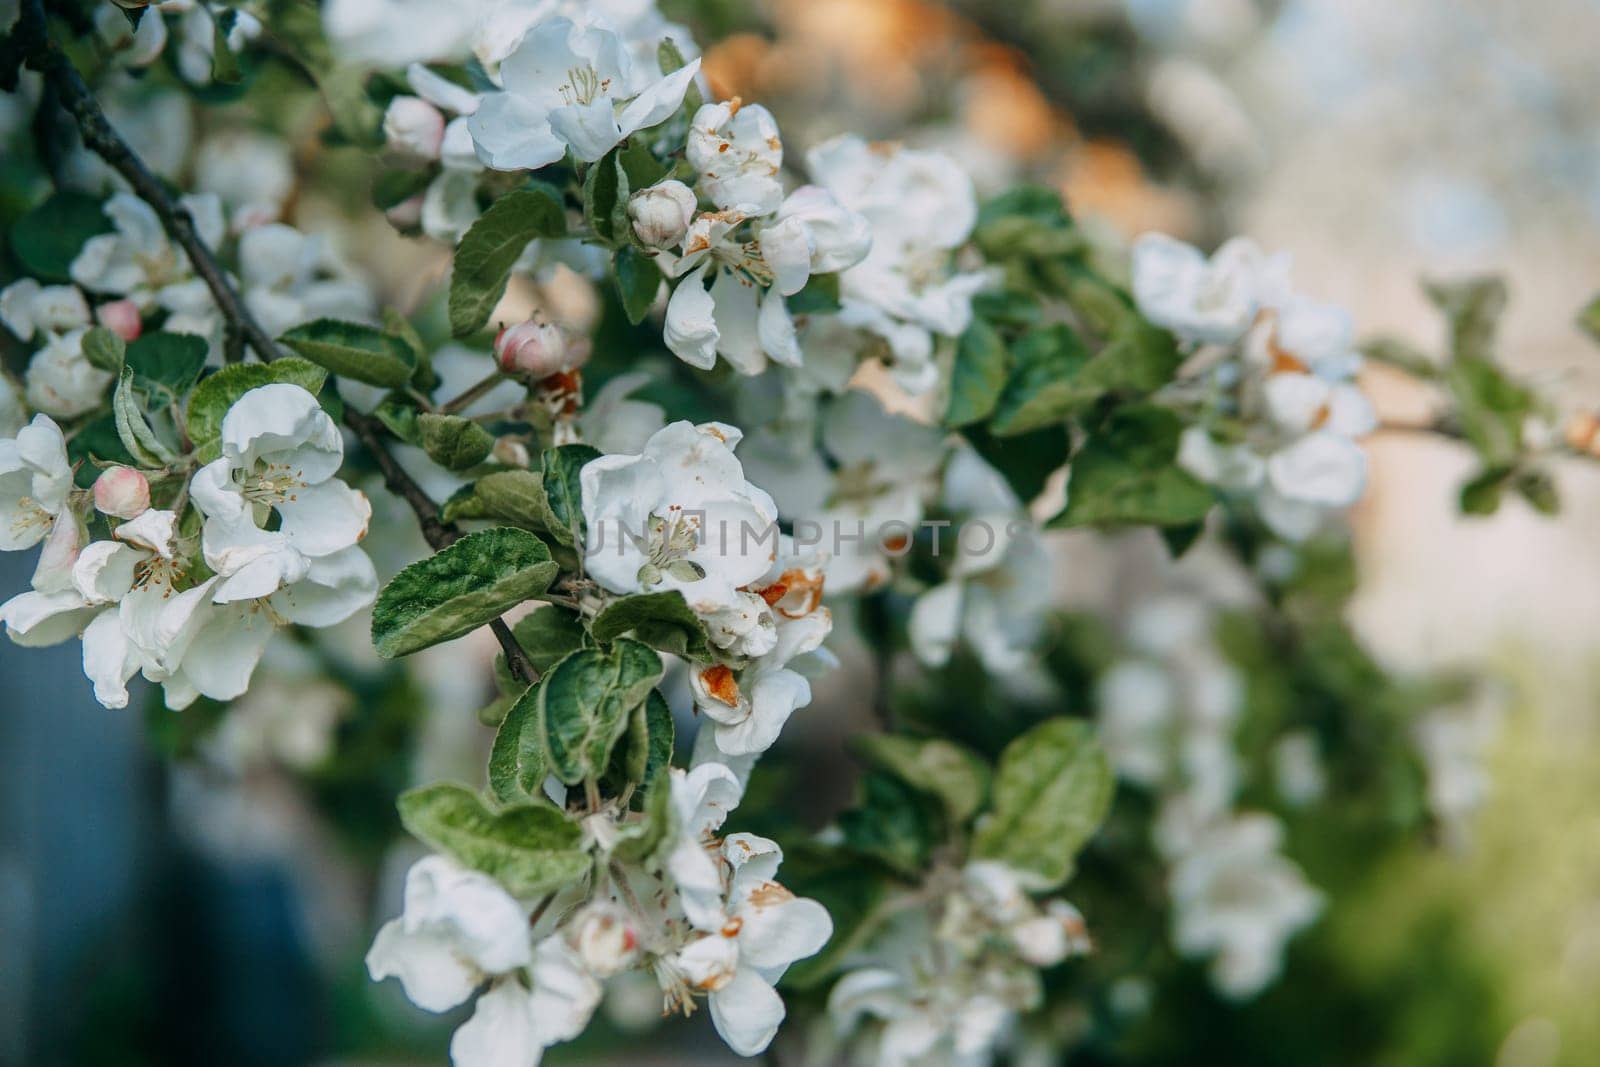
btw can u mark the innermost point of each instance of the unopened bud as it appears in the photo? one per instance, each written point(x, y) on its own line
point(606, 939)
point(413, 127)
point(510, 452)
point(536, 350)
point(661, 214)
point(407, 214)
point(122, 318)
point(122, 492)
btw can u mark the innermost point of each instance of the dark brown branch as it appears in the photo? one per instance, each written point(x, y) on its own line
point(63, 81)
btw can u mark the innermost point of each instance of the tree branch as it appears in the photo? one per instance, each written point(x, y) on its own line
point(63, 81)
point(67, 85)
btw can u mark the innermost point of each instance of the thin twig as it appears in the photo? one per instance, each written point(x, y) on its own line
point(473, 395)
point(45, 56)
point(74, 97)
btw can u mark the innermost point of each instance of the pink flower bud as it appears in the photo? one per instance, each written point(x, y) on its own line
point(122, 318)
point(407, 214)
point(536, 350)
point(123, 492)
point(413, 127)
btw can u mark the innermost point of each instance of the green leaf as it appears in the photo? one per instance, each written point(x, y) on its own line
point(1539, 490)
point(1027, 460)
point(639, 165)
point(563, 491)
point(645, 749)
point(485, 256)
point(1589, 319)
point(1473, 307)
point(104, 349)
point(137, 436)
point(585, 702)
point(95, 445)
point(1015, 308)
point(819, 296)
point(1127, 472)
point(893, 823)
point(516, 497)
point(169, 361)
point(224, 63)
point(1051, 792)
point(953, 775)
point(352, 350)
point(1490, 408)
point(344, 90)
point(664, 621)
point(978, 376)
point(517, 764)
point(638, 280)
point(1041, 389)
point(1137, 360)
point(453, 592)
point(48, 238)
point(453, 442)
point(529, 849)
point(548, 635)
point(399, 414)
point(1481, 495)
point(394, 187)
point(605, 189)
point(215, 394)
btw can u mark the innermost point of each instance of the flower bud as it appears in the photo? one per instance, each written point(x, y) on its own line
point(510, 452)
point(122, 492)
point(535, 350)
point(122, 318)
point(407, 214)
point(413, 128)
point(605, 939)
point(661, 214)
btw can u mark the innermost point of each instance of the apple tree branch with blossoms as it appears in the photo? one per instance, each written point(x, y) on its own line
point(196, 377)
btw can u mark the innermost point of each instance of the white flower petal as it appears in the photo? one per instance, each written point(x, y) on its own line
point(747, 1013)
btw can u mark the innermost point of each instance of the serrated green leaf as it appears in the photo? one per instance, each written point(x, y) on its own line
point(1127, 472)
point(585, 701)
point(1042, 387)
point(215, 394)
point(1052, 789)
point(957, 777)
point(169, 361)
point(516, 497)
point(548, 635)
point(517, 764)
point(604, 189)
point(49, 237)
point(352, 350)
point(453, 592)
point(398, 412)
point(638, 280)
point(453, 442)
point(104, 349)
point(645, 748)
point(894, 824)
point(137, 437)
point(529, 849)
point(564, 492)
point(978, 376)
point(491, 247)
point(95, 445)
point(637, 840)
point(664, 621)
point(394, 187)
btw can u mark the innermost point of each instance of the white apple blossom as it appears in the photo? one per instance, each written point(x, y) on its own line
point(997, 592)
point(613, 421)
point(413, 128)
point(1237, 900)
point(907, 291)
point(35, 480)
point(678, 515)
point(251, 173)
point(60, 379)
point(27, 308)
point(1203, 301)
point(736, 151)
point(701, 801)
point(292, 278)
point(570, 86)
point(138, 261)
point(12, 415)
point(764, 929)
point(459, 928)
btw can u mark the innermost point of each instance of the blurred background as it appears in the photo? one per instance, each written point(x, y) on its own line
point(1378, 141)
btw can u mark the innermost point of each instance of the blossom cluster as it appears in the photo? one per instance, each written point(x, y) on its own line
point(703, 915)
point(187, 594)
point(1280, 372)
